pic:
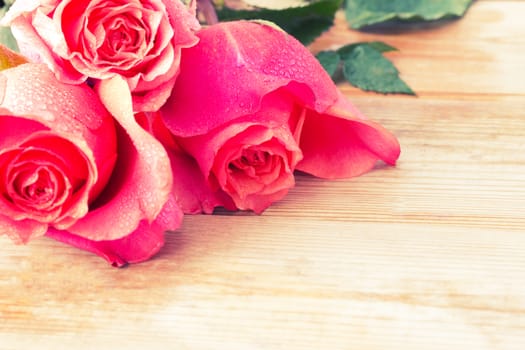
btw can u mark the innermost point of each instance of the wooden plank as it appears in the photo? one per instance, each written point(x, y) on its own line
point(427, 255)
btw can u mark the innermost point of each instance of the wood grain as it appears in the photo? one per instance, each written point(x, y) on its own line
point(427, 255)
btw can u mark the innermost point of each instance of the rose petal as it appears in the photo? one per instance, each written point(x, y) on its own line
point(21, 231)
point(191, 189)
point(150, 96)
point(342, 143)
point(142, 180)
point(16, 130)
point(35, 48)
point(249, 61)
point(140, 245)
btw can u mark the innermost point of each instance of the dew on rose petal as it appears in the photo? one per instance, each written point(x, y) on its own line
point(30, 92)
point(285, 63)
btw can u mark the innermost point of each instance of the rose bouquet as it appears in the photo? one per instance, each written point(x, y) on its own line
point(128, 115)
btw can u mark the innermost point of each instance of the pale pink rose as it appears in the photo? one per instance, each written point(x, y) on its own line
point(72, 171)
point(252, 105)
point(139, 40)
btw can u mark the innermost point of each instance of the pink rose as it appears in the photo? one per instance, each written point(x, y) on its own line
point(139, 40)
point(252, 105)
point(71, 171)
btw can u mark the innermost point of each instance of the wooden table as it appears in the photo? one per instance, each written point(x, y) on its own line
point(427, 255)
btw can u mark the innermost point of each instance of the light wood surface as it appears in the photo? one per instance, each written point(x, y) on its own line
point(427, 255)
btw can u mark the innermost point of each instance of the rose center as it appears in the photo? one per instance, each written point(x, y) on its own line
point(120, 37)
point(38, 187)
point(250, 159)
point(41, 183)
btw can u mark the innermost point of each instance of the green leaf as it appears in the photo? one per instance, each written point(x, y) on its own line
point(6, 37)
point(329, 60)
point(380, 46)
point(366, 68)
point(304, 22)
point(361, 13)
